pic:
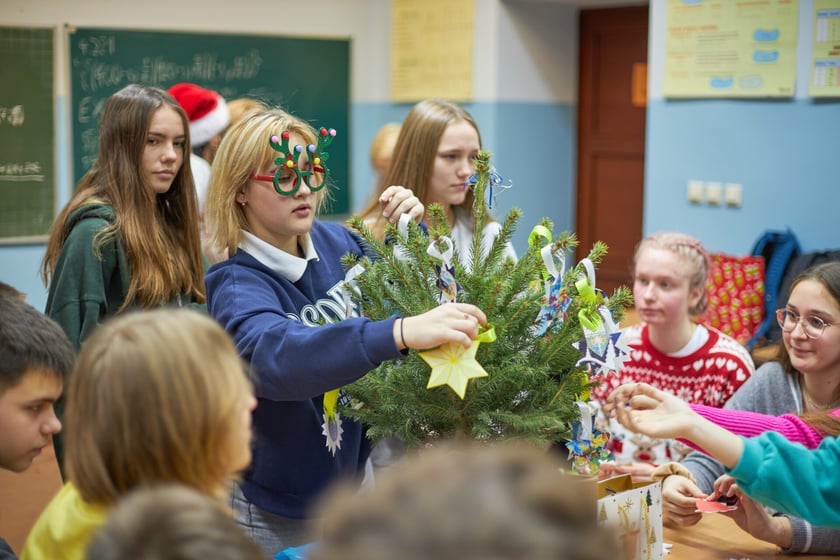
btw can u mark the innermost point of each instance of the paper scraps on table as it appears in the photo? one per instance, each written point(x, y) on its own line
point(705, 506)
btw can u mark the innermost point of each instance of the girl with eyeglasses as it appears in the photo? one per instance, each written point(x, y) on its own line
point(279, 295)
point(802, 385)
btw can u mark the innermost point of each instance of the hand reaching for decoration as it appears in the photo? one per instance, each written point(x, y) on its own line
point(396, 201)
point(649, 411)
point(450, 322)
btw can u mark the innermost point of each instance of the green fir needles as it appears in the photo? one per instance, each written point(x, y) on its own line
point(533, 380)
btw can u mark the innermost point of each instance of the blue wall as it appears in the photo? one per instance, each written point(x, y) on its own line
point(784, 153)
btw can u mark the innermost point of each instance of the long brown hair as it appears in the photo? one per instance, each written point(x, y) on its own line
point(414, 155)
point(826, 423)
point(159, 231)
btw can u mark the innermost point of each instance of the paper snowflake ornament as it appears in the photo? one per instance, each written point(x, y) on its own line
point(332, 431)
point(603, 348)
point(453, 365)
point(331, 428)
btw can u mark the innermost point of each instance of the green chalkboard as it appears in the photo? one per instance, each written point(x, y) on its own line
point(27, 134)
point(308, 77)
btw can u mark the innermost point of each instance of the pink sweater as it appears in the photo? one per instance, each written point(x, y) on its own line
point(749, 424)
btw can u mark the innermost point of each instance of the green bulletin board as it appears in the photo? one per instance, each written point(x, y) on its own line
point(308, 77)
point(27, 134)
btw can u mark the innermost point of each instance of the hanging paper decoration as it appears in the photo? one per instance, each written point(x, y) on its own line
point(446, 270)
point(604, 347)
point(554, 302)
point(587, 448)
point(540, 233)
point(454, 365)
point(331, 427)
point(400, 251)
point(496, 181)
point(350, 291)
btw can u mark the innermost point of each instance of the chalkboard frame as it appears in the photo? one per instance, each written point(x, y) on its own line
point(103, 60)
point(29, 193)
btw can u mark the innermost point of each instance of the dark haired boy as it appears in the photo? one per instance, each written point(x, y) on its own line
point(35, 357)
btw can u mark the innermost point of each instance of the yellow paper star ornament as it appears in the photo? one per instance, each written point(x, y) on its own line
point(454, 365)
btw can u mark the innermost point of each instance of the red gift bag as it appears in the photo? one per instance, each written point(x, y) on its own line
point(736, 295)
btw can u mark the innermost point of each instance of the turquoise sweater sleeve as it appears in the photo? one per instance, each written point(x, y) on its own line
point(790, 478)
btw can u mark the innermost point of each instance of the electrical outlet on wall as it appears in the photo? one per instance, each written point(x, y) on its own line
point(695, 191)
point(732, 194)
point(714, 192)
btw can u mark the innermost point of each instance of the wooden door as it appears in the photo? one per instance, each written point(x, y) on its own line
point(611, 136)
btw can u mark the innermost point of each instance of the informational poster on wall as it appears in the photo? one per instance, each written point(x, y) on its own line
point(825, 52)
point(732, 48)
point(432, 49)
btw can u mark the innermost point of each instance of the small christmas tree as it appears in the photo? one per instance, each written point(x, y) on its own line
point(533, 379)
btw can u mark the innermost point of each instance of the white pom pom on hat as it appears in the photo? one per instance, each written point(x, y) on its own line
point(206, 110)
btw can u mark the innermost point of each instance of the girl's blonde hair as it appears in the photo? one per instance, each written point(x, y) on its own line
point(155, 397)
point(382, 145)
point(693, 254)
point(159, 231)
point(413, 159)
point(245, 149)
point(240, 107)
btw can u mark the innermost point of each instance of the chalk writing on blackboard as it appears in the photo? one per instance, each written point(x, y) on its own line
point(27, 132)
point(21, 171)
point(308, 77)
point(12, 115)
point(14, 170)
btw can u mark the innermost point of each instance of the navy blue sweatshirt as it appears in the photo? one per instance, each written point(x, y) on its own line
point(287, 318)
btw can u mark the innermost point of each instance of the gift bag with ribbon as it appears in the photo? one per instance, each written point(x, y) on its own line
point(633, 510)
point(736, 295)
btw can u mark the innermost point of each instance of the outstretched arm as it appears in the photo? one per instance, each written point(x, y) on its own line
point(647, 410)
point(750, 424)
point(768, 468)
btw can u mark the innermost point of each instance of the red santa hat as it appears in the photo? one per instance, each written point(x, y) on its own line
point(206, 110)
